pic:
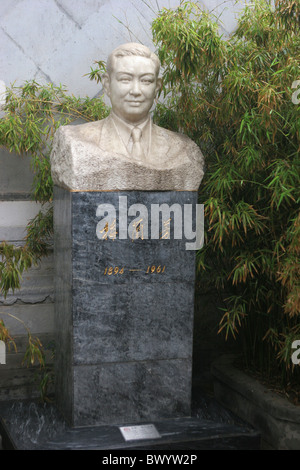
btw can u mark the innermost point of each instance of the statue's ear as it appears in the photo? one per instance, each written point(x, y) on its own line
point(105, 83)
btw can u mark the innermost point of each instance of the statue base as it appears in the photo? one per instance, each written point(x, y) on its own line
point(36, 426)
point(124, 297)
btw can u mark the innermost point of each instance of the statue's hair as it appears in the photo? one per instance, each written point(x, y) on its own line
point(132, 48)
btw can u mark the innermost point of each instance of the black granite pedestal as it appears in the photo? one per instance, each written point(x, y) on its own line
point(124, 296)
point(37, 426)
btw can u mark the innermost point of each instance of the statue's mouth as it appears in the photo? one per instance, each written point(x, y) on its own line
point(134, 102)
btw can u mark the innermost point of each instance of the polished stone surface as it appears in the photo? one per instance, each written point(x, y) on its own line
point(124, 338)
point(36, 426)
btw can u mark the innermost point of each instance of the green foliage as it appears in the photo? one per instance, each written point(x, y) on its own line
point(234, 98)
point(34, 352)
point(95, 74)
point(6, 337)
point(32, 114)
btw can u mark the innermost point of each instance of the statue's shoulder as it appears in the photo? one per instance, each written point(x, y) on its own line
point(179, 145)
point(173, 137)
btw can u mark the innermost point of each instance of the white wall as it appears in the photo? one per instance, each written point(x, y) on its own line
point(58, 40)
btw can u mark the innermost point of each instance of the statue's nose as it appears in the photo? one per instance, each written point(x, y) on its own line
point(135, 88)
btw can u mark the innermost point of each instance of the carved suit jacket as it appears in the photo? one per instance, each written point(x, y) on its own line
point(92, 156)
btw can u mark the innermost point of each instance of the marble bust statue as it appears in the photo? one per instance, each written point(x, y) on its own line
point(126, 150)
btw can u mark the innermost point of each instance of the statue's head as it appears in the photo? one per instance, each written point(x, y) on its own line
point(131, 81)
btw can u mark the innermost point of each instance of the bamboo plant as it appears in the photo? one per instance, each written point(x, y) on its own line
point(32, 114)
point(233, 96)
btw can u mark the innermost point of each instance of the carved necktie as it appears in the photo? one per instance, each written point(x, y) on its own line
point(137, 150)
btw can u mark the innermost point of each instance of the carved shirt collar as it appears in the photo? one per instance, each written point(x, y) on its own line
point(124, 131)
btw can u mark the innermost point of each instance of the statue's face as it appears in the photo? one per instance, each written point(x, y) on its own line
point(132, 86)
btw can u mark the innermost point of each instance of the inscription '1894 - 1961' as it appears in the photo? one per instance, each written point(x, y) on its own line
point(116, 270)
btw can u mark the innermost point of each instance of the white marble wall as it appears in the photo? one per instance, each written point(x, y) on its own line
point(58, 41)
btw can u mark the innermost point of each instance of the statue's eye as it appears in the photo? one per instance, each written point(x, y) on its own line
point(147, 80)
point(124, 79)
